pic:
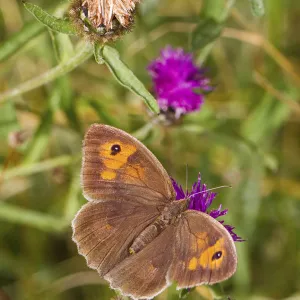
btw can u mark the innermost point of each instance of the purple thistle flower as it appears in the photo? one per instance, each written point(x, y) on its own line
point(178, 81)
point(201, 200)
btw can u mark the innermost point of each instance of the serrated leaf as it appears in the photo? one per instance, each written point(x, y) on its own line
point(205, 32)
point(126, 77)
point(53, 23)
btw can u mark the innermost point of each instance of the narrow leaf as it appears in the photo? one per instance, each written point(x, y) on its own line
point(16, 41)
point(35, 219)
point(126, 77)
point(62, 45)
point(83, 52)
point(206, 32)
point(8, 119)
point(41, 166)
point(50, 21)
point(40, 140)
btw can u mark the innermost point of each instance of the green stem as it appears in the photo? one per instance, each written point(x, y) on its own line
point(85, 51)
point(40, 166)
point(72, 204)
point(18, 40)
point(35, 219)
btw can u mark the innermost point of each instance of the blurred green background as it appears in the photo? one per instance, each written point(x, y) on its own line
point(247, 135)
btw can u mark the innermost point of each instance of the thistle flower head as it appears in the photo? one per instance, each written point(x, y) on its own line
point(103, 20)
point(201, 200)
point(178, 83)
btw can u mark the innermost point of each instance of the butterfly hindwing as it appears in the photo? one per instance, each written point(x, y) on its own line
point(204, 252)
point(144, 275)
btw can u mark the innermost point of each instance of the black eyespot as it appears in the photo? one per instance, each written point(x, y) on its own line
point(115, 149)
point(217, 255)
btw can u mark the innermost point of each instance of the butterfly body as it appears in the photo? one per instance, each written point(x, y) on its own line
point(133, 231)
point(169, 216)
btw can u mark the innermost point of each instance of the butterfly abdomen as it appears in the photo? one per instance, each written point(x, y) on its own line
point(147, 236)
point(167, 217)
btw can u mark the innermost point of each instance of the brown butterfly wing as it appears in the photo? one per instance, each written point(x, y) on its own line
point(116, 166)
point(204, 252)
point(104, 231)
point(143, 275)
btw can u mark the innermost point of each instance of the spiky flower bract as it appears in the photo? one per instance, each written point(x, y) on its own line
point(201, 200)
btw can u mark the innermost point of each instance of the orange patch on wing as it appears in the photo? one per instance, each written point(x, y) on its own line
point(202, 244)
point(193, 264)
point(133, 173)
point(108, 227)
point(202, 235)
point(108, 175)
point(199, 243)
point(116, 161)
point(205, 259)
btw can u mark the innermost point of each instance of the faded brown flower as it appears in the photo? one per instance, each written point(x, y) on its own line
point(103, 20)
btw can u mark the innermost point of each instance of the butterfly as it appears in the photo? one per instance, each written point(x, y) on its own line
point(133, 231)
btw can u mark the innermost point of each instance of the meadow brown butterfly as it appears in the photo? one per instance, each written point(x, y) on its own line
point(133, 231)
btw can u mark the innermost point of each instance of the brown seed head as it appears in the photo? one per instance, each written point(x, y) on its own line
point(103, 19)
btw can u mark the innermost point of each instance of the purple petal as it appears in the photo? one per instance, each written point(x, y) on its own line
point(201, 200)
point(176, 79)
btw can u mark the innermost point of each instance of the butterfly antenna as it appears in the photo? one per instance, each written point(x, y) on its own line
point(186, 177)
point(218, 187)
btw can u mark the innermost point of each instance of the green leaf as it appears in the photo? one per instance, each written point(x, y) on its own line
point(53, 23)
point(206, 32)
point(213, 9)
point(41, 166)
point(72, 203)
point(83, 52)
point(40, 140)
point(35, 219)
point(104, 116)
point(257, 8)
point(264, 120)
point(185, 292)
point(63, 46)
point(8, 119)
point(67, 102)
point(126, 77)
point(16, 41)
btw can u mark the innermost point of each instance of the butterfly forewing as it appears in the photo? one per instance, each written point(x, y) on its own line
point(116, 166)
point(204, 251)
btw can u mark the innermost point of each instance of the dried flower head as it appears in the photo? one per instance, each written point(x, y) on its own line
point(201, 200)
point(179, 83)
point(103, 20)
